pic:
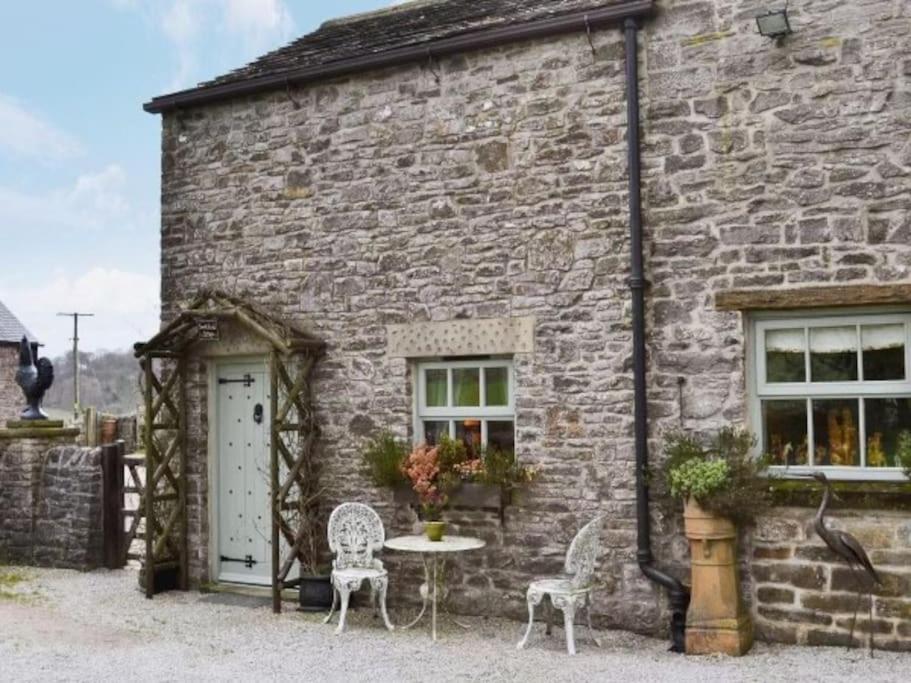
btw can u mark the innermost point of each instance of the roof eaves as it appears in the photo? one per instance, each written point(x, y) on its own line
point(472, 40)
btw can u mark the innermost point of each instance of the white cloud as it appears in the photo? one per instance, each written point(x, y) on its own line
point(25, 133)
point(94, 201)
point(260, 23)
point(250, 28)
point(125, 305)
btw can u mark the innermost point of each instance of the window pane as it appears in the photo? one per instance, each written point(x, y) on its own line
point(835, 422)
point(433, 430)
point(883, 351)
point(785, 431)
point(466, 387)
point(833, 354)
point(501, 434)
point(469, 431)
point(497, 381)
point(784, 355)
point(885, 419)
point(436, 388)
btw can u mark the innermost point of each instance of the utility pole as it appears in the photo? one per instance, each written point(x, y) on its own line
point(76, 317)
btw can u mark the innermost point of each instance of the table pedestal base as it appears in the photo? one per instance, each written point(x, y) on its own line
point(429, 592)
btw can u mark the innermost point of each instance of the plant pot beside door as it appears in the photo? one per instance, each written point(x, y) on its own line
point(717, 620)
point(315, 593)
point(722, 486)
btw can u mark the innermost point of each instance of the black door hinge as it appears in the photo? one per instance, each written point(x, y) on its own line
point(246, 379)
point(247, 561)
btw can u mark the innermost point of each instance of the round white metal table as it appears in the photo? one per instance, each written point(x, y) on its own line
point(421, 544)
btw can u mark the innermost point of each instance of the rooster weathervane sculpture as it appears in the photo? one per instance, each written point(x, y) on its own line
point(34, 377)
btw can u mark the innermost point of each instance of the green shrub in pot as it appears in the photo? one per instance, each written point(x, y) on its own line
point(722, 474)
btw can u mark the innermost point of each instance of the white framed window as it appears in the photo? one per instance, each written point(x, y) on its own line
point(471, 400)
point(832, 391)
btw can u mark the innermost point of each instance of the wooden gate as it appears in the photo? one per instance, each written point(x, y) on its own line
point(122, 476)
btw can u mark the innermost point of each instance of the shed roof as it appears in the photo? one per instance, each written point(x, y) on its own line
point(11, 330)
point(421, 23)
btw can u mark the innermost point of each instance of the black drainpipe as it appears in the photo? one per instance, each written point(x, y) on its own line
point(678, 594)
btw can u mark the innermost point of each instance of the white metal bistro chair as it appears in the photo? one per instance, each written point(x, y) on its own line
point(355, 533)
point(570, 591)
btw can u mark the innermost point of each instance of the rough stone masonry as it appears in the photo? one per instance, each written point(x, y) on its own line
point(499, 190)
point(11, 401)
point(51, 502)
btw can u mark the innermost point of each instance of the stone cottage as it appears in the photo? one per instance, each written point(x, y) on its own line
point(11, 333)
point(516, 189)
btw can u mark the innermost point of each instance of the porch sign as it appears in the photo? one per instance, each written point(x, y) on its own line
point(208, 329)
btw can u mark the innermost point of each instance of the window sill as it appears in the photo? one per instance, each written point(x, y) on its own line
point(852, 495)
point(855, 474)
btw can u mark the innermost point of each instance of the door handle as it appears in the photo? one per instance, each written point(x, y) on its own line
point(258, 413)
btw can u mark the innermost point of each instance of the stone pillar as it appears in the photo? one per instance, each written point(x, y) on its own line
point(716, 620)
point(50, 510)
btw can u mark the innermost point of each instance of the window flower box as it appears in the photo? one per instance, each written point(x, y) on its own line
point(469, 495)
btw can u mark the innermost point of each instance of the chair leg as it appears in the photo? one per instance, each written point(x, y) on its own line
point(332, 608)
point(373, 592)
point(588, 616)
point(548, 615)
point(532, 598)
point(569, 617)
point(378, 588)
point(567, 604)
point(345, 592)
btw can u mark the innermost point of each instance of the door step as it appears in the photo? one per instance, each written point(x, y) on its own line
point(288, 594)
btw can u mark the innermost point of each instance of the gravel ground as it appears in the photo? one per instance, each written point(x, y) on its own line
point(65, 625)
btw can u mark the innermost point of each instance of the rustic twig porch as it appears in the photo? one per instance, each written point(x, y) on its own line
point(163, 504)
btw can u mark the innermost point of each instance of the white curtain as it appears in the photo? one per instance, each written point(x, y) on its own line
point(833, 339)
point(882, 336)
point(785, 341)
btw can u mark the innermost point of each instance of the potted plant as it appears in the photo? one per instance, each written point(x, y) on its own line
point(383, 456)
point(722, 486)
point(484, 478)
point(309, 518)
point(432, 485)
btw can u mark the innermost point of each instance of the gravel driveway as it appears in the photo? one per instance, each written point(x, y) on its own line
point(66, 625)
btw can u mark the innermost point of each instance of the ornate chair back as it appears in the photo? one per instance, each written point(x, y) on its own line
point(355, 532)
point(583, 553)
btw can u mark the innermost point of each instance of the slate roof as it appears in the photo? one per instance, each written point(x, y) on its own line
point(402, 25)
point(407, 25)
point(11, 330)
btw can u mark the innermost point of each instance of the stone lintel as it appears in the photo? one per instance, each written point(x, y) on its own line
point(463, 337)
point(813, 297)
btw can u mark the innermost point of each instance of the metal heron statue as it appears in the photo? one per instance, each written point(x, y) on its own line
point(850, 550)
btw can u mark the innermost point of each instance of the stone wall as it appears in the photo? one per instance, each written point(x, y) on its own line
point(805, 594)
point(51, 507)
point(774, 167)
point(11, 401)
point(500, 190)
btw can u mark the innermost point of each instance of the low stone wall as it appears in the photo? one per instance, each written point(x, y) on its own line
point(51, 503)
point(804, 593)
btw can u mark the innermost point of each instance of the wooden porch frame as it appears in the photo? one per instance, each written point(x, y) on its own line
point(163, 501)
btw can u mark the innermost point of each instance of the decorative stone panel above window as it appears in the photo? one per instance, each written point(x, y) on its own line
point(469, 337)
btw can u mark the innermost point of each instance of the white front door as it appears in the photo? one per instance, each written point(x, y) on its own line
point(244, 531)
